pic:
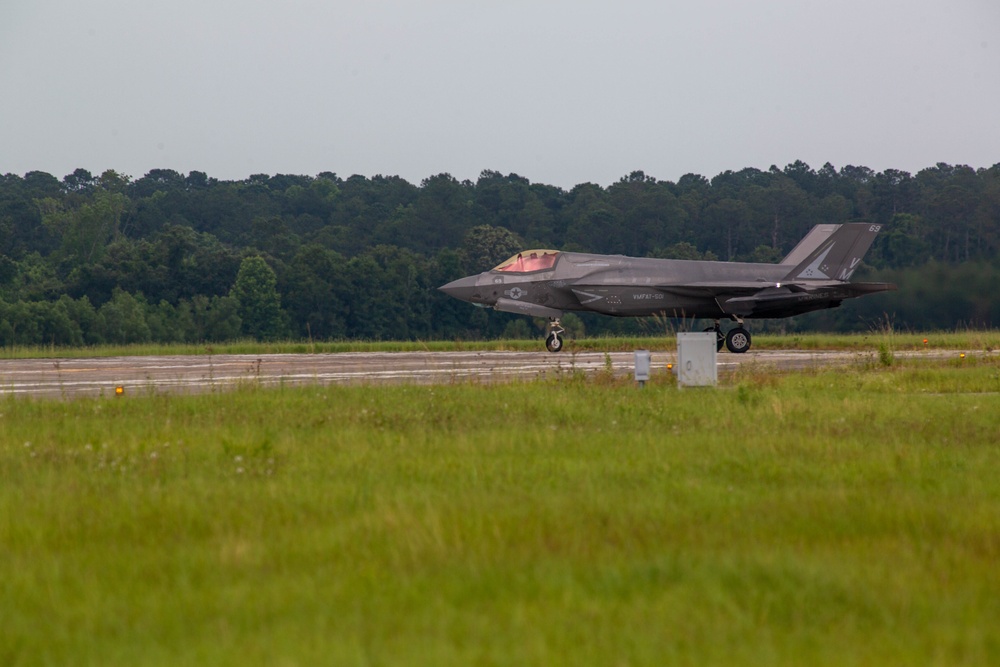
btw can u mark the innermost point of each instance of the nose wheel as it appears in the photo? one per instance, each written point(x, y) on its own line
point(553, 337)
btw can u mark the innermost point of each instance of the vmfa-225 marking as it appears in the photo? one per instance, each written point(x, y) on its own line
point(547, 283)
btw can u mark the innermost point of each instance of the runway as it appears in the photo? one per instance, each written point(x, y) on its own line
point(71, 378)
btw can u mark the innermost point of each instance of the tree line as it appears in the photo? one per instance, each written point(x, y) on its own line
point(170, 257)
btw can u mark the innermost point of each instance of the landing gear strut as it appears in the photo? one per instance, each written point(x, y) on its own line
point(736, 340)
point(720, 338)
point(553, 337)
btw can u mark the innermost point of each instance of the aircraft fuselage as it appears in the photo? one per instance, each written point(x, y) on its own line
point(634, 287)
point(547, 283)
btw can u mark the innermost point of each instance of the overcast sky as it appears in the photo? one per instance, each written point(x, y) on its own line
point(559, 92)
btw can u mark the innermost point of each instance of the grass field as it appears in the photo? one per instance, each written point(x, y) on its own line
point(849, 517)
point(967, 340)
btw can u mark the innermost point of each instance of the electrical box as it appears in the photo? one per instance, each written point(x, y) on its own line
point(696, 366)
point(642, 364)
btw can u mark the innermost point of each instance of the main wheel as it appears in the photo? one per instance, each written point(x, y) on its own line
point(720, 338)
point(554, 343)
point(738, 340)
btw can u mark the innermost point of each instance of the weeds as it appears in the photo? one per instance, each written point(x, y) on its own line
point(886, 347)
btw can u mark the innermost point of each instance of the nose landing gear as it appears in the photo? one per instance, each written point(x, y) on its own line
point(553, 336)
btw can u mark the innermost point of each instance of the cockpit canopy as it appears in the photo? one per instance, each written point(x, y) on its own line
point(528, 261)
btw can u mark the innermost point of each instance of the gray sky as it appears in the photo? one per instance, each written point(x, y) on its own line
point(559, 92)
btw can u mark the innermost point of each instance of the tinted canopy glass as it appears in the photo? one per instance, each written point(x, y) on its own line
point(528, 261)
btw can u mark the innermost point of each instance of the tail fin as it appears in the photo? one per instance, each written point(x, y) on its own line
point(837, 257)
point(814, 239)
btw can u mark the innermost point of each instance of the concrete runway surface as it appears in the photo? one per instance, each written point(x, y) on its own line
point(69, 378)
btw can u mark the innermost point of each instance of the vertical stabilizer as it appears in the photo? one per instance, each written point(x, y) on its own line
point(838, 256)
point(814, 239)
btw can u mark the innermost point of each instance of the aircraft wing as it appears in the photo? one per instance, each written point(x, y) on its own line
point(715, 289)
point(746, 298)
point(819, 278)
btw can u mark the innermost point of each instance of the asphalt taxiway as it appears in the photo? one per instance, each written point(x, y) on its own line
point(69, 378)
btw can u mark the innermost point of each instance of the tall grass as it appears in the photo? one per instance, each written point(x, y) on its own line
point(848, 517)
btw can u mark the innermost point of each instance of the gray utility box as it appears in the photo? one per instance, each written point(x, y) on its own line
point(696, 365)
point(642, 364)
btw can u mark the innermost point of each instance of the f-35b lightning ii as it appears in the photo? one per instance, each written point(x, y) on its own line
point(546, 283)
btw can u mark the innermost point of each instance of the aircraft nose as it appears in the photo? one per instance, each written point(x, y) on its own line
point(463, 288)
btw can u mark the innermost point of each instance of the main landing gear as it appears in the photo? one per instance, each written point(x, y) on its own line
point(553, 336)
point(736, 340)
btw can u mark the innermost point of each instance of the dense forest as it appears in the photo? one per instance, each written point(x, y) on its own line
point(173, 258)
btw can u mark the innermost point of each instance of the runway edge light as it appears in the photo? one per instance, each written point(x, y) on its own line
point(119, 390)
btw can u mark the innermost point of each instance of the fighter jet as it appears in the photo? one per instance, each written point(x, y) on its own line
point(547, 283)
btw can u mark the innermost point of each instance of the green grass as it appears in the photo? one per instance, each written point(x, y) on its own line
point(843, 517)
point(958, 340)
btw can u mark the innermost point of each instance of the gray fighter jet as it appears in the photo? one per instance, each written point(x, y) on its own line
point(546, 283)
